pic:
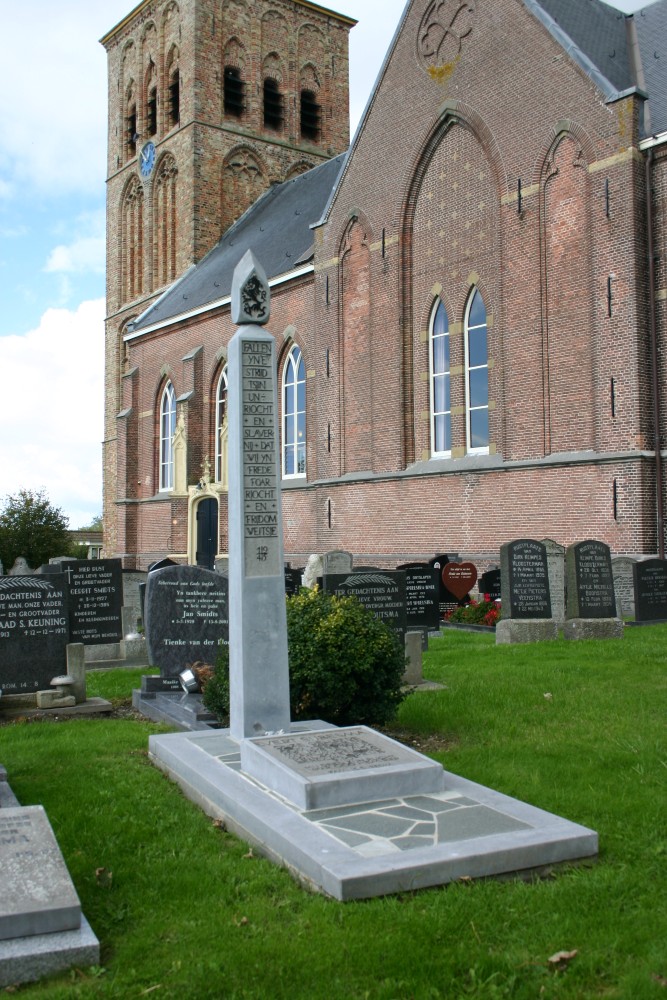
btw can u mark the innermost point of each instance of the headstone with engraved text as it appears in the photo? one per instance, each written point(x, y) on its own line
point(525, 580)
point(34, 632)
point(650, 580)
point(590, 582)
point(95, 600)
point(624, 587)
point(380, 591)
point(186, 615)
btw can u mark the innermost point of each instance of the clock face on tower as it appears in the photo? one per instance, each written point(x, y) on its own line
point(146, 159)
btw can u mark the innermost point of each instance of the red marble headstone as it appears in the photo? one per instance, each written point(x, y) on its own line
point(459, 578)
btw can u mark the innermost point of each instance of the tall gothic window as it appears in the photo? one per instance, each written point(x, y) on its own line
point(174, 97)
point(220, 425)
point(294, 415)
point(234, 92)
point(132, 237)
point(477, 375)
point(441, 409)
point(311, 116)
point(273, 105)
point(164, 213)
point(167, 430)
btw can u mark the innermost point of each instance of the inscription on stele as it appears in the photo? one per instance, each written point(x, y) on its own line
point(260, 472)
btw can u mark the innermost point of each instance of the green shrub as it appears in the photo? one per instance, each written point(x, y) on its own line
point(215, 684)
point(346, 666)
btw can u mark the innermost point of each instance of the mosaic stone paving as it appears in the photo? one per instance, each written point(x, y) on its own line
point(398, 824)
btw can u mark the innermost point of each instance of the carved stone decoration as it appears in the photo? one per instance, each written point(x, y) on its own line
point(180, 450)
point(443, 27)
point(251, 296)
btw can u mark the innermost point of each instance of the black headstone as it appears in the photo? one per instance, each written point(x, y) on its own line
point(186, 617)
point(650, 581)
point(422, 609)
point(381, 591)
point(292, 580)
point(162, 564)
point(489, 583)
point(95, 600)
point(525, 580)
point(590, 582)
point(34, 632)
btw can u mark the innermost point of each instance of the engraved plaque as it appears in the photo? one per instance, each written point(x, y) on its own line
point(260, 472)
point(335, 751)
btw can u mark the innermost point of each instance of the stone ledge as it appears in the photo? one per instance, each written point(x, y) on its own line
point(511, 630)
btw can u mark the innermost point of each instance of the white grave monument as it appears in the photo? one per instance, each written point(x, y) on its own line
point(348, 810)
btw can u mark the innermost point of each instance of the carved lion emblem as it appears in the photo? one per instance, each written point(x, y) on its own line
point(443, 27)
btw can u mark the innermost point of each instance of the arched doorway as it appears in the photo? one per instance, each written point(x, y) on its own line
point(207, 533)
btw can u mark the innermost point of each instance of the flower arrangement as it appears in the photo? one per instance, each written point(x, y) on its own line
point(483, 612)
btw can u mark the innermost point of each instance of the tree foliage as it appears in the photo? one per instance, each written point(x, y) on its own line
point(31, 526)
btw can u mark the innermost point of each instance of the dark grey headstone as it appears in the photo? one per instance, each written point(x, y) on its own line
point(186, 615)
point(95, 600)
point(650, 578)
point(590, 583)
point(162, 564)
point(293, 580)
point(422, 608)
point(34, 632)
point(489, 583)
point(381, 591)
point(525, 580)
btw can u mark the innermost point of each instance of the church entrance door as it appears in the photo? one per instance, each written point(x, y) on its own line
point(207, 533)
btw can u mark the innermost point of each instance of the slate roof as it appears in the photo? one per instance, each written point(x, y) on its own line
point(595, 35)
point(276, 228)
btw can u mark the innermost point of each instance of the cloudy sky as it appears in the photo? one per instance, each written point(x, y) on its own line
point(52, 193)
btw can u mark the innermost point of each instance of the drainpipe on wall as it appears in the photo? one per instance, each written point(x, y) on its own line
point(660, 520)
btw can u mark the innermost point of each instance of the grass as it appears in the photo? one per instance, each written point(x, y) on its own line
point(183, 909)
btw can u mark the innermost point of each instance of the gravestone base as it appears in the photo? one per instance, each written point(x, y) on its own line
point(42, 929)
point(386, 839)
point(28, 959)
point(593, 628)
point(25, 707)
point(511, 630)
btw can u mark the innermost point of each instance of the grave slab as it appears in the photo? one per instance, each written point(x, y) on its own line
point(340, 766)
point(390, 842)
point(38, 896)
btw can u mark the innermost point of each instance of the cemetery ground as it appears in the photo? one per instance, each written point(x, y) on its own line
point(183, 909)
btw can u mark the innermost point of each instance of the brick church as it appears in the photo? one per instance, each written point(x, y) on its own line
point(469, 301)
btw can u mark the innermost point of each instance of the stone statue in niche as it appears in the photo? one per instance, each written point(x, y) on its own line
point(180, 446)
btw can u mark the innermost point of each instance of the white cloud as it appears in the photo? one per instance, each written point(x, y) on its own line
point(51, 410)
point(82, 256)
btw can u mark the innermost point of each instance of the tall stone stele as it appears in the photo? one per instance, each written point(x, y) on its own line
point(258, 665)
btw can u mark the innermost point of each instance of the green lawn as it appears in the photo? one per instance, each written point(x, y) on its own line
point(183, 909)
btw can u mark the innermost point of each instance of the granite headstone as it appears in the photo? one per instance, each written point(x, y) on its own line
point(590, 582)
point(556, 567)
point(382, 592)
point(186, 615)
point(525, 580)
point(34, 632)
point(624, 587)
point(95, 600)
point(650, 587)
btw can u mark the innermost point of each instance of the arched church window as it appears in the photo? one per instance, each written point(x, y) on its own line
point(311, 116)
point(234, 92)
point(477, 375)
point(131, 130)
point(174, 98)
point(221, 427)
point(441, 407)
point(167, 430)
point(151, 111)
point(294, 415)
point(273, 105)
